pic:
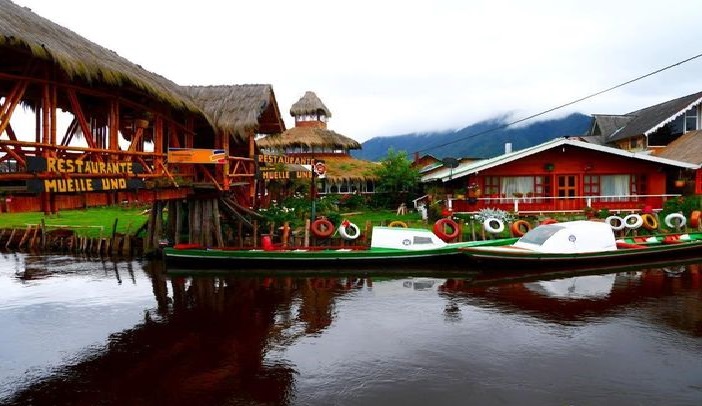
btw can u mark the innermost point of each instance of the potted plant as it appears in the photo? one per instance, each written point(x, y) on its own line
point(589, 212)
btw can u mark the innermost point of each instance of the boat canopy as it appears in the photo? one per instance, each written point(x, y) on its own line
point(405, 238)
point(569, 237)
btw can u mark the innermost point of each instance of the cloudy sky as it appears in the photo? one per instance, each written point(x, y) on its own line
point(386, 67)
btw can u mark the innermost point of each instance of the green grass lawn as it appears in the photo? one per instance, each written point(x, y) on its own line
point(92, 222)
point(383, 217)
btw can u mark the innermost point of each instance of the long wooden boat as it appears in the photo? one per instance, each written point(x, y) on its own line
point(577, 243)
point(389, 245)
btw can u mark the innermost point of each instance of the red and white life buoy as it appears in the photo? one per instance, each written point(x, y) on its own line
point(322, 228)
point(347, 226)
point(490, 228)
point(617, 223)
point(440, 229)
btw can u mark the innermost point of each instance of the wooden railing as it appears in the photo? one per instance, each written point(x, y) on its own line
point(14, 154)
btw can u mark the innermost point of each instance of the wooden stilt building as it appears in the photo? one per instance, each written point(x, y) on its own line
point(130, 135)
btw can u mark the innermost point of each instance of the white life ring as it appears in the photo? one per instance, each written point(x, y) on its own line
point(638, 221)
point(487, 224)
point(620, 223)
point(343, 230)
point(669, 220)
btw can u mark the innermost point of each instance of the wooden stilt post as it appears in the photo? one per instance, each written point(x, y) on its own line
point(207, 222)
point(217, 223)
point(241, 234)
point(158, 224)
point(255, 233)
point(196, 222)
point(178, 219)
point(307, 232)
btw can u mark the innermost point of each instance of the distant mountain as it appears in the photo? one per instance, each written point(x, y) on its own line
point(467, 143)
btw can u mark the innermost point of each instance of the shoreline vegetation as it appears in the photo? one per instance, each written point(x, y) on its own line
point(100, 221)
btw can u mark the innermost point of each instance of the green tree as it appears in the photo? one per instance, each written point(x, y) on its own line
point(395, 175)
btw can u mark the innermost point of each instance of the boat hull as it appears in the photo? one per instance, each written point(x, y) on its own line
point(509, 257)
point(315, 258)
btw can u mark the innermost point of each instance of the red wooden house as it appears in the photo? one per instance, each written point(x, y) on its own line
point(562, 175)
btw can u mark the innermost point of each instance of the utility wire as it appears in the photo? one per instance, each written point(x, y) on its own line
point(561, 106)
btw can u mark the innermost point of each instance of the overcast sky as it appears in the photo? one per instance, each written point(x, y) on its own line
point(386, 67)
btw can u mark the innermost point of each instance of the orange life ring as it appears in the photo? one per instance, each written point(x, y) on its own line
point(439, 229)
point(517, 228)
point(549, 221)
point(649, 221)
point(398, 223)
point(322, 228)
point(695, 218)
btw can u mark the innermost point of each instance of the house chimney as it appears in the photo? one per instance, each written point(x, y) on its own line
point(508, 147)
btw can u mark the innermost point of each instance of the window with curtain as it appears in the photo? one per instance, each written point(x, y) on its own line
point(615, 186)
point(520, 185)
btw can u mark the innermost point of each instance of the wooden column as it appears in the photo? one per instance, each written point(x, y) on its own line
point(225, 168)
point(113, 123)
point(252, 169)
point(158, 144)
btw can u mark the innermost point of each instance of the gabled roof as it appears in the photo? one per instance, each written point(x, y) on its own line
point(687, 148)
point(235, 109)
point(469, 168)
point(649, 119)
point(607, 124)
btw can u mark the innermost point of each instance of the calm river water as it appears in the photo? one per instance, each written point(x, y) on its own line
point(91, 332)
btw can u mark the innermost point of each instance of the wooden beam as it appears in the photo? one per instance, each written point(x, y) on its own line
point(14, 154)
point(209, 176)
point(165, 170)
point(70, 131)
point(11, 101)
point(84, 125)
point(136, 138)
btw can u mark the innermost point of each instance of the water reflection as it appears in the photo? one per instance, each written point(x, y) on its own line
point(351, 339)
point(553, 297)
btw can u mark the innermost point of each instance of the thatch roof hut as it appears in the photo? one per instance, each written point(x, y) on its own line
point(309, 104)
point(23, 33)
point(239, 109)
point(309, 137)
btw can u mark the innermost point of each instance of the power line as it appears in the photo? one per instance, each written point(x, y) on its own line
point(561, 106)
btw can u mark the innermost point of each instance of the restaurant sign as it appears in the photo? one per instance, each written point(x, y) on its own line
point(97, 171)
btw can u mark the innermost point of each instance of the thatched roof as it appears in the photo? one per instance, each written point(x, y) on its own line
point(687, 148)
point(344, 167)
point(649, 119)
point(236, 109)
point(309, 104)
point(78, 57)
point(309, 137)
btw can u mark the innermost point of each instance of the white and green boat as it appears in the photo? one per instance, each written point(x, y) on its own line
point(389, 246)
